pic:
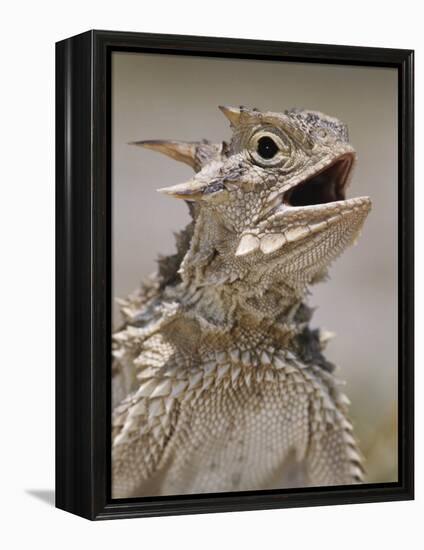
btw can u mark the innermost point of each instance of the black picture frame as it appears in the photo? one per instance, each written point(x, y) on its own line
point(83, 267)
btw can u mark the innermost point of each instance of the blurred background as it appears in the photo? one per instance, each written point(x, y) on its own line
point(176, 97)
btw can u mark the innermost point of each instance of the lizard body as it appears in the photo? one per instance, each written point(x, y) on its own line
point(219, 384)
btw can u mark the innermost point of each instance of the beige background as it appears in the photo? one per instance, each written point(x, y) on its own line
point(176, 97)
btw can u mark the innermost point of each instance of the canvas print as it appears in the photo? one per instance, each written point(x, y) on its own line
point(254, 347)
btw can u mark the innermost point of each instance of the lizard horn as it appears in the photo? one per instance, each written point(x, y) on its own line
point(183, 151)
point(191, 190)
point(232, 113)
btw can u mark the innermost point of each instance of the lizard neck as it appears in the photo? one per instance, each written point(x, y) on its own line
point(215, 278)
point(217, 315)
point(226, 306)
point(209, 283)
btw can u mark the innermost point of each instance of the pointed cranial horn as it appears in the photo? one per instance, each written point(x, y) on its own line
point(232, 113)
point(190, 191)
point(183, 151)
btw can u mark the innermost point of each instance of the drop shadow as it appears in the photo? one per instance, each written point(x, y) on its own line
point(45, 495)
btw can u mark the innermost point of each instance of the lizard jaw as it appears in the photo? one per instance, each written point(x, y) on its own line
point(290, 224)
point(307, 209)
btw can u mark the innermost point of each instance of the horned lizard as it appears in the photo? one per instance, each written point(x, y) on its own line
point(219, 383)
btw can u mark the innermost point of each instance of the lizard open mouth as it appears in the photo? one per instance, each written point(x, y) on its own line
point(327, 185)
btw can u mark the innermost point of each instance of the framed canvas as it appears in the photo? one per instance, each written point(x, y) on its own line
point(199, 373)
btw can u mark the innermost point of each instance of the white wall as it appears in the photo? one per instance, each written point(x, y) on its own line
point(29, 31)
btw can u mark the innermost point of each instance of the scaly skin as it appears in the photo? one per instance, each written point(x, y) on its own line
point(219, 384)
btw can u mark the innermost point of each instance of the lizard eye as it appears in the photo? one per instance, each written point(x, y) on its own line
point(267, 148)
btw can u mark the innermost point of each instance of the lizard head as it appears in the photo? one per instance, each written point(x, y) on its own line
point(270, 206)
